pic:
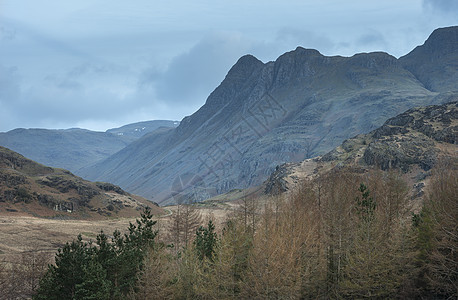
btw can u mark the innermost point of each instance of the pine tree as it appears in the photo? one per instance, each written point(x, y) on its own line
point(95, 285)
point(106, 271)
point(61, 279)
point(206, 241)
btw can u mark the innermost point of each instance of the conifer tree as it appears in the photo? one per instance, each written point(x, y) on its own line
point(106, 271)
point(206, 241)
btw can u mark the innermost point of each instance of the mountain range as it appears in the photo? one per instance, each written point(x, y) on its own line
point(75, 148)
point(264, 114)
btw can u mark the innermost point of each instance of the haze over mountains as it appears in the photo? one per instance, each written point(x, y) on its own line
point(264, 114)
point(75, 148)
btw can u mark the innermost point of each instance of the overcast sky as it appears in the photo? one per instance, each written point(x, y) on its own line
point(99, 64)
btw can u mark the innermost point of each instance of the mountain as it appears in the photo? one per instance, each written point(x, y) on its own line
point(264, 114)
point(435, 63)
point(75, 148)
point(32, 188)
point(139, 129)
point(414, 142)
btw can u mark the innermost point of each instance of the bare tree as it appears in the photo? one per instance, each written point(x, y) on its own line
point(184, 222)
point(442, 250)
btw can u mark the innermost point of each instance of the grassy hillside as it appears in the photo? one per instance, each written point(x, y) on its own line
point(27, 187)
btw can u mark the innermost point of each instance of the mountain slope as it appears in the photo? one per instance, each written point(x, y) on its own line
point(435, 63)
point(301, 105)
point(413, 142)
point(75, 148)
point(32, 188)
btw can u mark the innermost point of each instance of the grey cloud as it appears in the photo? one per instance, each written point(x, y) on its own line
point(373, 38)
point(58, 100)
point(442, 6)
point(42, 39)
point(7, 33)
point(92, 68)
point(9, 85)
point(295, 37)
point(10, 94)
point(190, 77)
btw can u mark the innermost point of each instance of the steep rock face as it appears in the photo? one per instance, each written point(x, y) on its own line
point(262, 115)
point(435, 63)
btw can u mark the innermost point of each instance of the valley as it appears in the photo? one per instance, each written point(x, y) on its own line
point(310, 176)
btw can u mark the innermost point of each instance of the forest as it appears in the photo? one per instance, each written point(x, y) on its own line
point(344, 235)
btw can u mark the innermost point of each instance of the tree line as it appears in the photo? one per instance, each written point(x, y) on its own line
point(343, 235)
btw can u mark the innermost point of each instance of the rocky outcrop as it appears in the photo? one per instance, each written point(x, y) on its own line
point(401, 153)
point(411, 138)
point(108, 187)
point(413, 141)
point(276, 183)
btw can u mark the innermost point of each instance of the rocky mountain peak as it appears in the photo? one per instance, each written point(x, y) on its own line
point(442, 41)
point(299, 63)
point(435, 63)
point(244, 67)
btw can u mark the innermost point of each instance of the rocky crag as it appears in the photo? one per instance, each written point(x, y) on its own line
point(413, 142)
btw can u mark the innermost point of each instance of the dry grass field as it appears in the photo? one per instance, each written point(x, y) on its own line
point(23, 233)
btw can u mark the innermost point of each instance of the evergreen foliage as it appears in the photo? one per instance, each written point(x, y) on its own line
point(107, 270)
point(206, 241)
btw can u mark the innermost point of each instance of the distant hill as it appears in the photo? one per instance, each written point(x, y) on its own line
point(27, 187)
point(264, 114)
point(75, 148)
point(413, 142)
point(137, 130)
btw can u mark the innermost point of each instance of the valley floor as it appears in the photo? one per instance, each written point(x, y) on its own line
point(20, 234)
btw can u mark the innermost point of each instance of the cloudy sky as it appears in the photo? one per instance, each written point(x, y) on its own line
point(99, 64)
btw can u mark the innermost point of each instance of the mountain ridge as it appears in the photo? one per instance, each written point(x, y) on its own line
point(440, 46)
point(75, 148)
point(263, 114)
